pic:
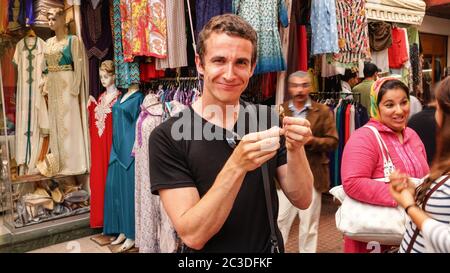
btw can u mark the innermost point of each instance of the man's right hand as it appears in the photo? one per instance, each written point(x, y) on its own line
point(255, 148)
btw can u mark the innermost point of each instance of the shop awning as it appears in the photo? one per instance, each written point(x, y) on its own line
point(398, 11)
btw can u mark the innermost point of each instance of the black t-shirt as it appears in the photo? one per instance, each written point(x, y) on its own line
point(196, 163)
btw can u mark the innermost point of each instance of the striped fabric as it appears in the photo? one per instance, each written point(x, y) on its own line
point(438, 208)
point(353, 37)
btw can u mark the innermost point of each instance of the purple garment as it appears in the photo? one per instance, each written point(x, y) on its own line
point(26, 15)
point(206, 9)
point(97, 38)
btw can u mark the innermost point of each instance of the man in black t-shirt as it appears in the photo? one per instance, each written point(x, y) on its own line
point(205, 163)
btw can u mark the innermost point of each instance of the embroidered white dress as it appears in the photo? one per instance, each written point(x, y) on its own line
point(31, 111)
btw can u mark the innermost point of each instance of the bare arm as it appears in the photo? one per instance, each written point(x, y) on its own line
point(196, 219)
point(295, 177)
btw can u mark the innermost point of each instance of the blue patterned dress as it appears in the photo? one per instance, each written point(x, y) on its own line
point(263, 16)
point(119, 192)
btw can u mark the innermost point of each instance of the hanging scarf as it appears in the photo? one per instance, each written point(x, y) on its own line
point(374, 90)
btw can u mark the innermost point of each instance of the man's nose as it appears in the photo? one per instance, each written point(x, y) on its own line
point(229, 72)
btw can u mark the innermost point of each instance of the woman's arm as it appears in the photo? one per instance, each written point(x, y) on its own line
point(360, 162)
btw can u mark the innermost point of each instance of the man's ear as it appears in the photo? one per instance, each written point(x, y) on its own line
point(199, 65)
point(253, 69)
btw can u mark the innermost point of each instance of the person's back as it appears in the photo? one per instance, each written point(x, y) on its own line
point(424, 124)
point(416, 105)
point(363, 89)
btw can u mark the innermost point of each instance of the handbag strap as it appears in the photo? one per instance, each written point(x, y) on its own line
point(416, 231)
point(388, 165)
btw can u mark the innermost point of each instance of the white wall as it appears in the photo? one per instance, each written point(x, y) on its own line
point(439, 26)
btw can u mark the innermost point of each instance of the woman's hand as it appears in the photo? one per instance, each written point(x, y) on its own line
point(402, 189)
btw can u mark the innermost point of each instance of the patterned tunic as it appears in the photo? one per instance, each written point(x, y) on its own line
point(154, 231)
point(323, 25)
point(126, 73)
point(353, 39)
point(143, 28)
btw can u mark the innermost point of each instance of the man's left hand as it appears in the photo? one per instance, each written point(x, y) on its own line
point(297, 132)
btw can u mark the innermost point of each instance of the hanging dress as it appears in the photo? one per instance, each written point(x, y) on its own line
point(100, 129)
point(263, 16)
point(144, 28)
point(120, 181)
point(97, 39)
point(176, 37)
point(31, 114)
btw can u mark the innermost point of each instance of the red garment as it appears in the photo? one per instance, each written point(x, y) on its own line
point(100, 131)
point(269, 85)
point(9, 79)
point(347, 122)
point(398, 53)
point(303, 48)
point(149, 72)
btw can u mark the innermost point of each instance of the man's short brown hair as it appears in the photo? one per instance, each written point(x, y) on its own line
point(229, 24)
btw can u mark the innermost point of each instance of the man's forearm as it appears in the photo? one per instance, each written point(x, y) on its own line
point(299, 180)
point(207, 217)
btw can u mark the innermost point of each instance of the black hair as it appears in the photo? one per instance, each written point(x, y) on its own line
point(389, 85)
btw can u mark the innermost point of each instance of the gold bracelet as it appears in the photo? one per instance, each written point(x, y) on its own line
point(410, 206)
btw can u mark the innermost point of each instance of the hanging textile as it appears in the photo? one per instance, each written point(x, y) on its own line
point(29, 59)
point(176, 37)
point(26, 16)
point(154, 231)
point(284, 36)
point(413, 37)
point(100, 131)
point(149, 72)
point(398, 52)
point(144, 28)
point(263, 16)
point(353, 39)
point(97, 39)
point(303, 48)
point(206, 9)
point(380, 35)
point(324, 27)
point(9, 77)
point(126, 73)
point(3, 16)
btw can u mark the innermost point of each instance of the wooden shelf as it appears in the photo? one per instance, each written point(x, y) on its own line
point(38, 177)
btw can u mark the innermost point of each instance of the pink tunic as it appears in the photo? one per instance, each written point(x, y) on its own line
point(362, 161)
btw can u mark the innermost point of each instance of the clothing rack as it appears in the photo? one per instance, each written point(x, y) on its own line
point(318, 96)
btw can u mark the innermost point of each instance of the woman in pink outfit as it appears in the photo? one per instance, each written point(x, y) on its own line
point(362, 159)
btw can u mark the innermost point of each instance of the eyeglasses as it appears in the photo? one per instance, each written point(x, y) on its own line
point(233, 141)
point(303, 85)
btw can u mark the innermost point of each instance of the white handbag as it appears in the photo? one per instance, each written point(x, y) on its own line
point(365, 222)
